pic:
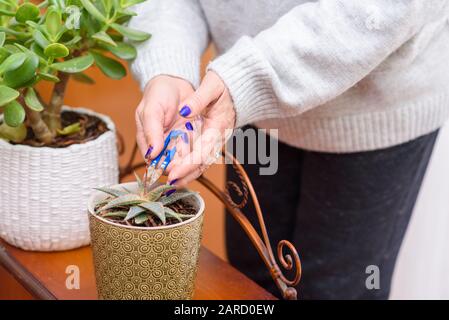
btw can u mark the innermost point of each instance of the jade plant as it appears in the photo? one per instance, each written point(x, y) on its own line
point(159, 205)
point(53, 41)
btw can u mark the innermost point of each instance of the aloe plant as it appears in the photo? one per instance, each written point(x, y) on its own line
point(54, 41)
point(158, 206)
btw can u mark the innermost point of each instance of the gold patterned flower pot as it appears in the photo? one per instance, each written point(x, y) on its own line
point(145, 263)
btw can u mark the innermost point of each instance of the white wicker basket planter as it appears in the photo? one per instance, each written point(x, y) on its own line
point(44, 191)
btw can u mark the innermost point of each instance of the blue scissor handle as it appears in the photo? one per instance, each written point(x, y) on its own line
point(172, 135)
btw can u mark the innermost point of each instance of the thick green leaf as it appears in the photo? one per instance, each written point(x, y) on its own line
point(56, 50)
point(48, 76)
point(175, 197)
point(104, 38)
point(170, 213)
point(7, 13)
point(2, 38)
point(40, 39)
point(93, 10)
point(82, 77)
point(131, 34)
point(12, 62)
point(123, 51)
point(14, 134)
point(115, 214)
point(110, 67)
point(53, 22)
point(27, 11)
point(73, 41)
point(111, 191)
point(128, 3)
point(14, 114)
point(133, 212)
point(155, 208)
point(7, 95)
point(70, 129)
point(157, 192)
point(32, 101)
point(24, 74)
point(74, 65)
point(139, 182)
point(125, 200)
point(3, 54)
point(141, 219)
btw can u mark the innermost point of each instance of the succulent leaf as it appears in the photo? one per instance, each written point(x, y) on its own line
point(105, 38)
point(7, 95)
point(32, 101)
point(14, 114)
point(14, 134)
point(141, 218)
point(70, 129)
point(175, 197)
point(23, 74)
point(157, 192)
point(123, 51)
point(12, 62)
point(124, 200)
point(82, 77)
point(74, 65)
point(133, 212)
point(111, 191)
point(120, 214)
point(172, 214)
point(93, 10)
point(110, 67)
point(155, 208)
point(131, 34)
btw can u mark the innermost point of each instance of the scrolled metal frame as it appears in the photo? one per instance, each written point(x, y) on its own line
point(288, 260)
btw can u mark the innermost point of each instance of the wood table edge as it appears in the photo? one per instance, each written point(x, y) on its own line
point(24, 277)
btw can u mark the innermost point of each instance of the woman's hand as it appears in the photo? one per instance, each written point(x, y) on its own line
point(213, 101)
point(158, 111)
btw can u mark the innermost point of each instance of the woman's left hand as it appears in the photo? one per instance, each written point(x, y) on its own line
point(213, 102)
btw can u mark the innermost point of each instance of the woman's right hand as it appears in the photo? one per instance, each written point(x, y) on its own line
point(158, 111)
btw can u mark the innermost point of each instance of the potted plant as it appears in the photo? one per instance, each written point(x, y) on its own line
point(145, 245)
point(51, 155)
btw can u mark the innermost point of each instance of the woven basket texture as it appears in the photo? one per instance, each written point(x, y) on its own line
point(44, 191)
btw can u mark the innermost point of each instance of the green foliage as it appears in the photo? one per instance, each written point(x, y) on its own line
point(140, 206)
point(39, 42)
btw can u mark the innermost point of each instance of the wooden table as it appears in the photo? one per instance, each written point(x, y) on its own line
point(44, 275)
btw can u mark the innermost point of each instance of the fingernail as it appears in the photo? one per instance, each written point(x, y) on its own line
point(173, 182)
point(150, 148)
point(189, 126)
point(169, 192)
point(185, 111)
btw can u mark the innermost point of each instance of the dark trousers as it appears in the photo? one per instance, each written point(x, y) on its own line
point(343, 213)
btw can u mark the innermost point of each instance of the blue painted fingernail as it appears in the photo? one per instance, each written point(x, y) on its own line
point(189, 126)
point(150, 148)
point(185, 111)
point(169, 192)
point(173, 182)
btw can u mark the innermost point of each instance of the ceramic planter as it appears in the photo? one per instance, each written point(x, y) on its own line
point(157, 263)
point(44, 190)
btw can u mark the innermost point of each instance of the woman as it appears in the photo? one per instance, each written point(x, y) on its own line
point(357, 90)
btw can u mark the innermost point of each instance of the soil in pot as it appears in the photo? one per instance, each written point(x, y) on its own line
point(181, 207)
point(91, 127)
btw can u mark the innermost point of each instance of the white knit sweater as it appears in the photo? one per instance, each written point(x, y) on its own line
point(331, 75)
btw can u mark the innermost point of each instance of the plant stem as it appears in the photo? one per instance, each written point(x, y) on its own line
point(53, 112)
point(38, 125)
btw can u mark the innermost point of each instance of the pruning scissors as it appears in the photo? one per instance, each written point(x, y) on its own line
point(156, 167)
